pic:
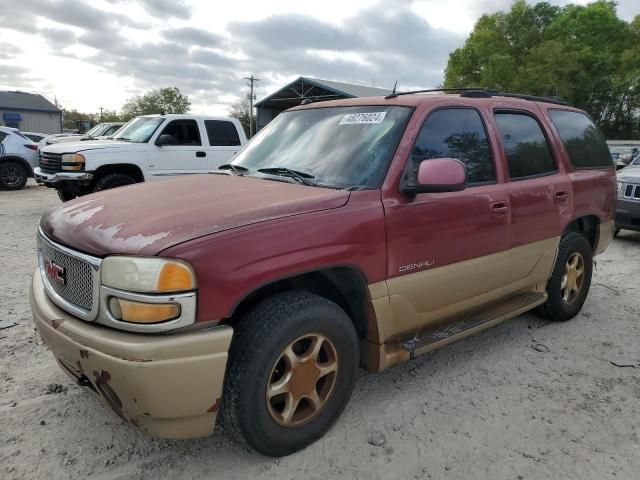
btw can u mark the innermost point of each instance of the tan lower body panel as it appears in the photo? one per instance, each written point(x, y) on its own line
point(169, 385)
point(605, 235)
point(433, 298)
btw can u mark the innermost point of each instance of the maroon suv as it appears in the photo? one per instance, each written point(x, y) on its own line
point(353, 232)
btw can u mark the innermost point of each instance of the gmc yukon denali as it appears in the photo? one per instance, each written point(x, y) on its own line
point(360, 232)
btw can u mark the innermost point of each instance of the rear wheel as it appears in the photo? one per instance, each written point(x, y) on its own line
point(13, 176)
point(113, 180)
point(291, 371)
point(569, 284)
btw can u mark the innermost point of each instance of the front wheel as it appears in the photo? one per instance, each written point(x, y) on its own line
point(292, 367)
point(569, 284)
point(13, 176)
point(65, 195)
point(113, 180)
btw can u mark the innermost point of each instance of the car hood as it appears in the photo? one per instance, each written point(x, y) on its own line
point(148, 218)
point(629, 174)
point(83, 145)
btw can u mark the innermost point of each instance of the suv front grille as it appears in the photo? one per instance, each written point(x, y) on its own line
point(78, 292)
point(631, 191)
point(50, 162)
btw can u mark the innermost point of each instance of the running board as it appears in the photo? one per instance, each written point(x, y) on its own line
point(433, 337)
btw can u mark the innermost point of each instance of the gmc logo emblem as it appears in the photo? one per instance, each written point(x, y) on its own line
point(55, 272)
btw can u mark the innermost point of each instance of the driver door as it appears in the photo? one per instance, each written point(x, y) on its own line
point(183, 156)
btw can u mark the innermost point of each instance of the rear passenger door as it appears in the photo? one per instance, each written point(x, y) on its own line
point(185, 156)
point(539, 193)
point(223, 142)
point(447, 252)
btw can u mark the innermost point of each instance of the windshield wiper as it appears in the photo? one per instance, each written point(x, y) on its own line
point(237, 169)
point(301, 177)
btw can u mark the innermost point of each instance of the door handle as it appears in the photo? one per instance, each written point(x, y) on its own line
point(561, 196)
point(201, 154)
point(499, 209)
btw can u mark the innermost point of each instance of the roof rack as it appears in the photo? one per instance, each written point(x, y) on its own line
point(484, 92)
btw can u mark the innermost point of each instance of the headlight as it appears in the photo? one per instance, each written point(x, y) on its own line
point(147, 274)
point(139, 312)
point(73, 162)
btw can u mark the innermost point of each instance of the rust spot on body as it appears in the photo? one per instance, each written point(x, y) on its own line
point(84, 353)
point(56, 323)
point(215, 407)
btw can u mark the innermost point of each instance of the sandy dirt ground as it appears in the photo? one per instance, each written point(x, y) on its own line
point(488, 407)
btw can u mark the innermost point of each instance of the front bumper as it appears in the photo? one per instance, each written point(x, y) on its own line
point(168, 385)
point(628, 214)
point(59, 177)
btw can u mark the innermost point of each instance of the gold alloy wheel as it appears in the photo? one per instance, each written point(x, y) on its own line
point(302, 380)
point(573, 278)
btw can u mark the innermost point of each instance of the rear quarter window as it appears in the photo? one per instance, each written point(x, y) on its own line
point(3, 135)
point(583, 141)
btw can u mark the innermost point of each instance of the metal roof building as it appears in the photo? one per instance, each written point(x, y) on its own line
point(313, 89)
point(29, 112)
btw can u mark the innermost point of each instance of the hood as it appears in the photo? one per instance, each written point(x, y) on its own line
point(629, 174)
point(80, 146)
point(148, 218)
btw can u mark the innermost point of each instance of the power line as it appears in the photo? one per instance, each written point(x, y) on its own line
point(252, 80)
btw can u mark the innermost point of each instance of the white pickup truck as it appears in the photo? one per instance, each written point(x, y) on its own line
point(148, 148)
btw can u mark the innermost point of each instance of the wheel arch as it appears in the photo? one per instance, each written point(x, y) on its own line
point(134, 171)
point(587, 225)
point(20, 160)
point(344, 285)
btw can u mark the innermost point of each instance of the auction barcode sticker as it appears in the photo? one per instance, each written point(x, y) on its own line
point(359, 118)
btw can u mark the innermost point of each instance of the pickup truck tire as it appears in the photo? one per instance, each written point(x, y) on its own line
point(265, 358)
point(113, 180)
point(569, 284)
point(13, 176)
point(65, 195)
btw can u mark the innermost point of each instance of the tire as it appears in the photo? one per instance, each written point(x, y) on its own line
point(65, 195)
point(13, 176)
point(561, 305)
point(257, 361)
point(113, 180)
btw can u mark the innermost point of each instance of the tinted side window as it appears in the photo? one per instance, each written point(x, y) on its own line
point(582, 139)
point(185, 132)
point(3, 136)
point(525, 145)
point(456, 133)
point(222, 133)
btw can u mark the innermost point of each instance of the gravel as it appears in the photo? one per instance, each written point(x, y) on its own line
point(489, 406)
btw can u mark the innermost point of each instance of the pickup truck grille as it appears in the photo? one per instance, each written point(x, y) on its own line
point(631, 191)
point(78, 291)
point(50, 162)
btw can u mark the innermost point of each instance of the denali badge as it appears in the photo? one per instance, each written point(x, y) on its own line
point(416, 266)
point(55, 272)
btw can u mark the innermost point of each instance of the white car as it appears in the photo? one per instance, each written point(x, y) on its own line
point(99, 132)
point(18, 158)
point(148, 148)
point(35, 136)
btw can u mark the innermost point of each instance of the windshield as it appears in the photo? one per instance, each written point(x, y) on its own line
point(139, 130)
point(338, 146)
point(95, 131)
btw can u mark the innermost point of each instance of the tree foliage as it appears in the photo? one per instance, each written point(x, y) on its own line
point(241, 111)
point(585, 54)
point(165, 100)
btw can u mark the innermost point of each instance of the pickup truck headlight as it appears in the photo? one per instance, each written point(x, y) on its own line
point(73, 162)
point(147, 274)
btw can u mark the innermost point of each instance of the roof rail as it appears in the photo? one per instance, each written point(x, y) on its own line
point(484, 92)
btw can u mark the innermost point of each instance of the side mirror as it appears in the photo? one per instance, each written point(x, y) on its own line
point(165, 139)
point(438, 175)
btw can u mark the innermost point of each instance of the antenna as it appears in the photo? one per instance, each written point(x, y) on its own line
point(394, 88)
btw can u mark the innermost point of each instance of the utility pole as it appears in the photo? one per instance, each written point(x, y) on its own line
point(252, 80)
point(100, 113)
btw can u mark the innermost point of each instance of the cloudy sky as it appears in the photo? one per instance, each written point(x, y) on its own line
point(99, 53)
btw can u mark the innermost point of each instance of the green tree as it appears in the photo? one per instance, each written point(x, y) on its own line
point(241, 111)
point(165, 100)
point(585, 54)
